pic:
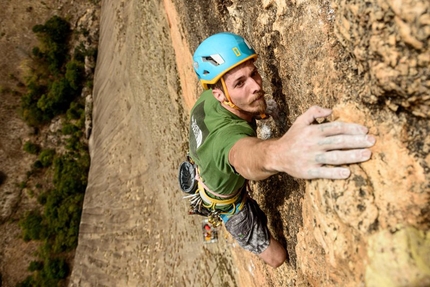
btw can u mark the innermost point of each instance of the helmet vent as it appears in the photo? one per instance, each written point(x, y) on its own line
point(215, 59)
point(210, 60)
point(205, 72)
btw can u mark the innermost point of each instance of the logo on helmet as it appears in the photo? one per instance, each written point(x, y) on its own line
point(236, 51)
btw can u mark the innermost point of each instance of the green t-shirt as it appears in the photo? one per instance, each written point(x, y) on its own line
point(213, 132)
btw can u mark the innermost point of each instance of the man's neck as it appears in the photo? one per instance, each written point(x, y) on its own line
point(241, 114)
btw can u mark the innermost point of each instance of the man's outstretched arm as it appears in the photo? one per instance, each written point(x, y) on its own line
point(304, 150)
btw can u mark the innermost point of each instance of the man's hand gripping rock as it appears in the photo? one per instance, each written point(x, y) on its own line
point(307, 148)
point(306, 151)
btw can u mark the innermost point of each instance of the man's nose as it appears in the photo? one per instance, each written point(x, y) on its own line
point(256, 86)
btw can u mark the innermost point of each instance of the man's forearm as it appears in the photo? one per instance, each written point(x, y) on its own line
point(251, 157)
point(306, 151)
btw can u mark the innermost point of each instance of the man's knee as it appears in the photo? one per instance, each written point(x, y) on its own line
point(275, 254)
point(280, 259)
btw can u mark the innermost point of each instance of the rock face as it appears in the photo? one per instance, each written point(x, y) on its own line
point(135, 230)
point(367, 60)
point(389, 41)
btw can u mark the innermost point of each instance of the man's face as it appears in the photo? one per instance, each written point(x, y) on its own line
point(244, 86)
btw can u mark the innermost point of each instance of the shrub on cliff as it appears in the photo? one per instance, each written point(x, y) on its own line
point(30, 113)
point(53, 37)
point(40, 104)
point(75, 74)
point(32, 226)
point(63, 204)
point(53, 82)
point(69, 129)
point(55, 268)
point(75, 111)
point(47, 273)
point(58, 99)
point(46, 157)
point(70, 175)
point(35, 266)
point(63, 221)
point(31, 148)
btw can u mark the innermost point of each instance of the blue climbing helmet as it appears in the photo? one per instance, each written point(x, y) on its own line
point(218, 54)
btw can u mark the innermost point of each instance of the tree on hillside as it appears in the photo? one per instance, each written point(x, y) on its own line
point(53, 36)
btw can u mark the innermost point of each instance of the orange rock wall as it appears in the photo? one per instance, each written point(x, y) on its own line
point(369, 62)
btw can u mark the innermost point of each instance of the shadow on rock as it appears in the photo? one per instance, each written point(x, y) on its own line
point(280, 199)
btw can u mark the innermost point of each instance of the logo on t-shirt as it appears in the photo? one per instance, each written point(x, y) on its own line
point(198, 129)
point(198, 135)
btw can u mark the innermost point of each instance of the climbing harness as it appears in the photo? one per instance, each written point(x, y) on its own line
point(201, 203)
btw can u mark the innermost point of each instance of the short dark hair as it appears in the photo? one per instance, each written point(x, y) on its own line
point(217, 85)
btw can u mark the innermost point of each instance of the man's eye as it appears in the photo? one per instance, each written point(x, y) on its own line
point(239, 84)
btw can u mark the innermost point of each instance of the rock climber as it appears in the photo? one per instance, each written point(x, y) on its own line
point(224, 145)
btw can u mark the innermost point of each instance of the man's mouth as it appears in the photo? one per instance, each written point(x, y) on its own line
point(259, 97)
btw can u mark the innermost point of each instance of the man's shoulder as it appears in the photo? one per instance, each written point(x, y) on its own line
point(205, 96)
point(209, 114)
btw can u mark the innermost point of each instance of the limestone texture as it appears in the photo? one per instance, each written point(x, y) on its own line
point(367, 60)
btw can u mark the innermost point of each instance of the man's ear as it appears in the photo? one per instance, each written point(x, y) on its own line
point(219, 95)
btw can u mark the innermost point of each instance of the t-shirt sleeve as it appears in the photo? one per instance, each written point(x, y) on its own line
point(225, 140)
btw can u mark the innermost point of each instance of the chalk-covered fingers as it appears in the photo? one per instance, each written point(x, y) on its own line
point(341, 128)
point(306, 149)
point(311, 114)
point(338, 157)
point(329, 173)
point(346, 141)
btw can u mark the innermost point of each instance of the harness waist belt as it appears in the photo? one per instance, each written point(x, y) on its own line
point(213, 203)
point(223, 196)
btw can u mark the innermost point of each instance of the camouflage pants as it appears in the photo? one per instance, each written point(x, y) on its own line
point(249, 227)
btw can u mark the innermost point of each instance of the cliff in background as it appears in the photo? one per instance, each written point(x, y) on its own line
point(21, 182)
point(369, 61)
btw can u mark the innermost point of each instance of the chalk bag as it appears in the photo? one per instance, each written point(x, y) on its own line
point(187, 177)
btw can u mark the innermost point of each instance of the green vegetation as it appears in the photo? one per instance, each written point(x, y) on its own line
point(31, 148)
point(32, 226)
point(53, 89)
point(58, 79)
point(46, 157)
point(53, 37)
point(48, 273)
point(74, 74)
point(57, 226)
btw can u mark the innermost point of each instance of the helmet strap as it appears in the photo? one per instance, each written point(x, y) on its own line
point(228, 102)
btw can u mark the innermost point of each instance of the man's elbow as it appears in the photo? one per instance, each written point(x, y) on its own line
point(254, 175)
